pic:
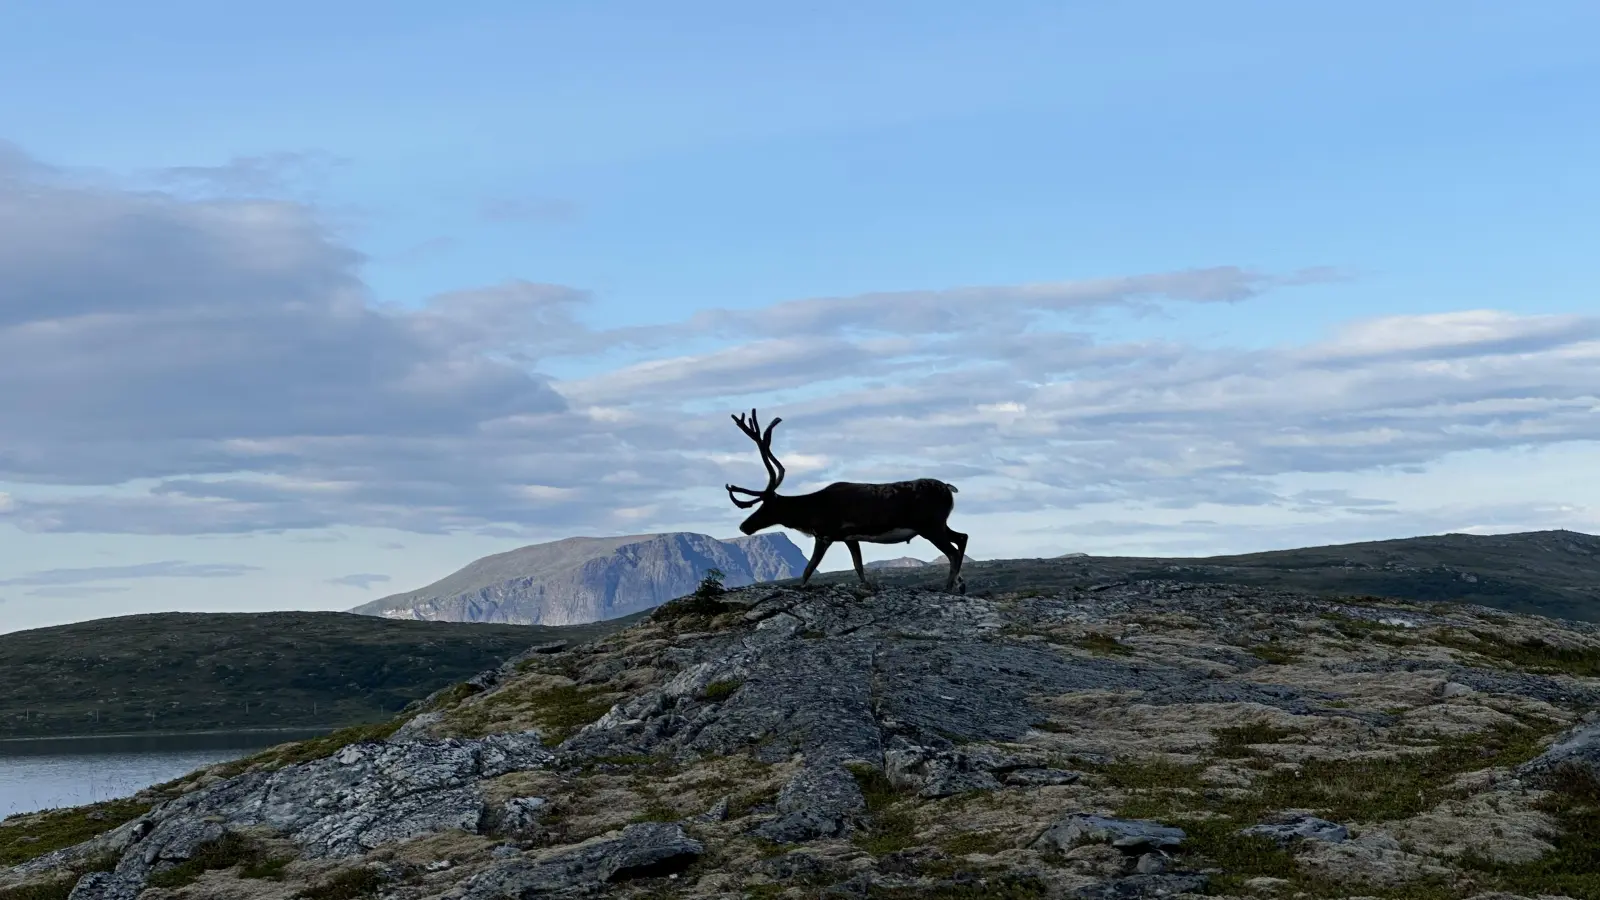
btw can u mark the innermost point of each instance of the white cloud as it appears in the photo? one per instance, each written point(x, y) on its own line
point(173, 365)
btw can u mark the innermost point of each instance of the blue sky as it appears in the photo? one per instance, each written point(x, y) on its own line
point(1394, 204)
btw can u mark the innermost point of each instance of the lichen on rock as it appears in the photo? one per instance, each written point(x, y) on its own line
point(906, 742)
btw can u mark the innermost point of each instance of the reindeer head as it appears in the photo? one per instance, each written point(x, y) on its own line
point(767, 514)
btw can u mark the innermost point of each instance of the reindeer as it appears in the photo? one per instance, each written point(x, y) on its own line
point(847, 511)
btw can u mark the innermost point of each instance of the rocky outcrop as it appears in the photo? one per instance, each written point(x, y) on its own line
point(579, 580)
point(1140, 739)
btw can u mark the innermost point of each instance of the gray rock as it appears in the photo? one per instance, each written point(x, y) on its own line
point(1139, 887)
point(366, 795)
point(1151, 864)
point(818, 802)
point(639, 851)
point(522, 813)
point(1579, 746)
point(1041, 777)
point(1300, 827)
point(1127, 835)
point(718, 811)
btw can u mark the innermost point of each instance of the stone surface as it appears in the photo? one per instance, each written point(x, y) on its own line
point(1578, 747)
point(894, 740)
point(1127, 835)
point(639, 851)
point(1302, 827)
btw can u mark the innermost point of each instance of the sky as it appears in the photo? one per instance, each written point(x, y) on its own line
point(303, 304)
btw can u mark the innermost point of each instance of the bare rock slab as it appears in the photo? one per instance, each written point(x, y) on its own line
point(1128, 835)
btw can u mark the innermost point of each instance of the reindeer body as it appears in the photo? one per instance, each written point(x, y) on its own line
point(852, 512)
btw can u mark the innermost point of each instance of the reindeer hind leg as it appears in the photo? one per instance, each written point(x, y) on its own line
point(948, 547)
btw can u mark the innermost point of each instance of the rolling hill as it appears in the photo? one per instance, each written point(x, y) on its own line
point(184, 672)
point(1548, 573)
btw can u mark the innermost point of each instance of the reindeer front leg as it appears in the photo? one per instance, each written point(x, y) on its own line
point(817, 552)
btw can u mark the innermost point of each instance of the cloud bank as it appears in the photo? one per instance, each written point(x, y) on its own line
point(173, 364)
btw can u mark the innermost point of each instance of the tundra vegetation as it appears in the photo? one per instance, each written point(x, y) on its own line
point(1134, 738)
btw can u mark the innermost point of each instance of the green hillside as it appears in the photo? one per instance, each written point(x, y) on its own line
point(177, 672)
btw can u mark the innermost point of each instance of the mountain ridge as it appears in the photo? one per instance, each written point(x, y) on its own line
point(580, 580)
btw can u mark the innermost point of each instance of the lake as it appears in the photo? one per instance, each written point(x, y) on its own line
point(56, 772)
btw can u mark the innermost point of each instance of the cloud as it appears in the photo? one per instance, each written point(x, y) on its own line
point(174, 364)
point(271, 174)
point(164, 569)
point(75, 591)
point(362, 581)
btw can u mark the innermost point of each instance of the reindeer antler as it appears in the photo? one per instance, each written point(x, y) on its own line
point(775, 470)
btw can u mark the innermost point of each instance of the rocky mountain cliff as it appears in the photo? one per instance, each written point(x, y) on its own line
point(580, 580)
point(1127, 739)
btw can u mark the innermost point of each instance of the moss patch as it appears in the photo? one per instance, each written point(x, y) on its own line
point(31, 835)
point(1572, 869)
point(1102, 643)
point(717, 691)
point(1235, 742)
point(349, 884)
point(976, 842)
point(892, 827)
point(228, 851)
point(1528, 654)
point(1274, 653)
point(1364, 630)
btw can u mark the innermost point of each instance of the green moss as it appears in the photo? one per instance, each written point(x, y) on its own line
point(558, 711)
point(1274, 653)
point(55, 889)
point(1364, 630)
point(717, 691)
point(1000, 887)
point(350, 884)
point(327, 745)
point(1572, 869)
point(1235, 742)
point(35, 834)
point(657, 810)
point(976, 842)
point(891, 826)
point(1529, 654)
point(1100, 642)
point(232, 849)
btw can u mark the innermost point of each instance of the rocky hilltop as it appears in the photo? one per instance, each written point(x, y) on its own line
point(584, 579)
point(1547, 573)
point(1129, 739)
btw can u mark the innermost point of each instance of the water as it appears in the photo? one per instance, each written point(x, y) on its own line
point(50, 773)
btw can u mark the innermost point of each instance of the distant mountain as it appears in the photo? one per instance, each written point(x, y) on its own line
point(899, 562)
point(585, 579)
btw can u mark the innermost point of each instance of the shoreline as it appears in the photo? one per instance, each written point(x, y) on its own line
point(157, 741)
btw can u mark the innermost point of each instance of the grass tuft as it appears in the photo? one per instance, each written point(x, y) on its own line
point(232, 849)
point(891, 827)
point(1529, 654)
point(349, 884)
point(1235, 742)
point(1102, 643)
point(32, 835)
point(717, 691)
